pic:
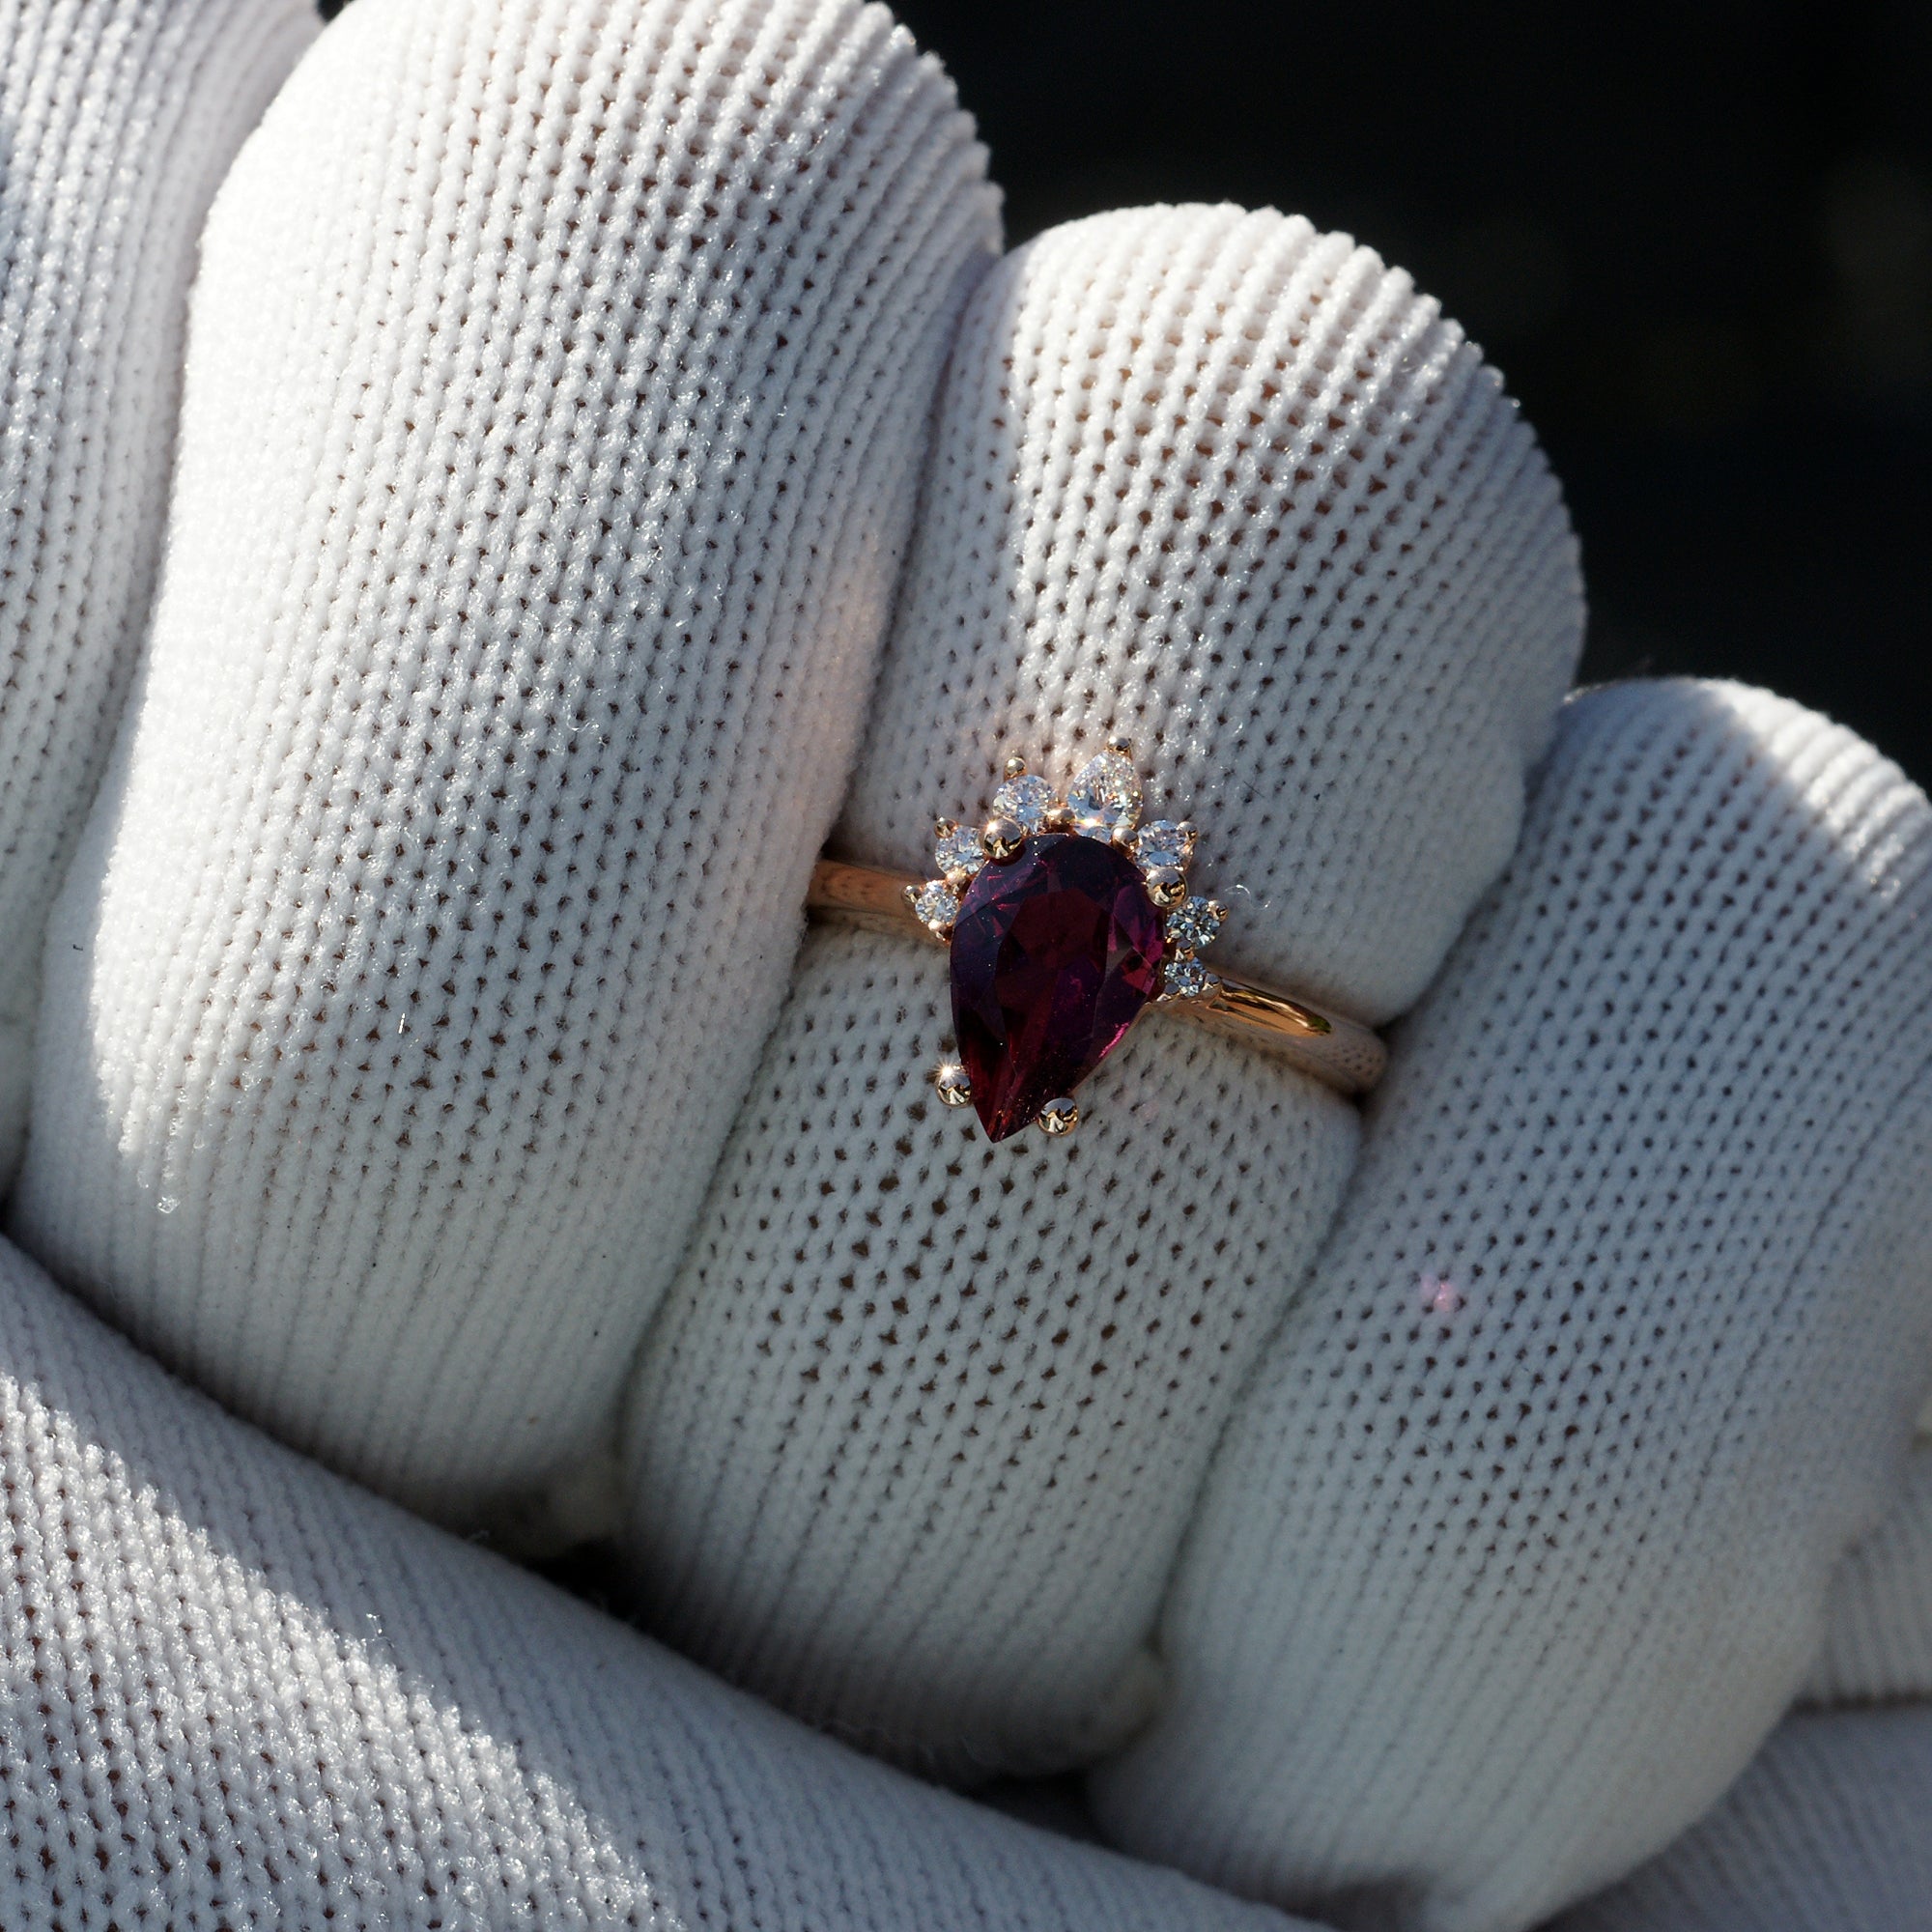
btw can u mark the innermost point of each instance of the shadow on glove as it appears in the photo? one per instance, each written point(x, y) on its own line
point(239, 1691)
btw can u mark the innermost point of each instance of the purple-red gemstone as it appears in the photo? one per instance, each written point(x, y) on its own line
point(1053, 957)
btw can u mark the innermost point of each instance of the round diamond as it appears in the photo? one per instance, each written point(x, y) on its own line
point(1025, 801)
point(1162, 844)
point(936, 903)
point(1106, 796)
point(1187, 979)
point(959, 851)
point(1193, 925)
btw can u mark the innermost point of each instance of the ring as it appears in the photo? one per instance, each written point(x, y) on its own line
point(1065, 918)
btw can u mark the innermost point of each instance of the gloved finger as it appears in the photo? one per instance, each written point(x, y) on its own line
point(1823, 1833)
point(918, 1431)
point(1518, 1542)
point(1878, 1619)
point(557, 377)
point(119, 119)
point(239, 1690)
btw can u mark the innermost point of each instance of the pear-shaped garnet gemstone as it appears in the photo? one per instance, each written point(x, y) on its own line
point(1054, 955)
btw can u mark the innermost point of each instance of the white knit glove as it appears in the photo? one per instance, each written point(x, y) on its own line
point(610, 446)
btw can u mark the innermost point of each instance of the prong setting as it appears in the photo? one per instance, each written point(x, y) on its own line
point(1161, 844)
point(951, 1084)
point(1166, 886)
point(1104, 799)
point(935, 905)
point(1001, 839)
point(1186, 979)
point(1194, 925)
point(1026, 800)
point(1103, 802)
point(957, 851)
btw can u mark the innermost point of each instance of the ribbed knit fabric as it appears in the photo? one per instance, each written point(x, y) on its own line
point(1520, 1540)
point(558, 375)
point(559, 386)
point(1830, 1829)
point(1878, 1638)
point(1242, 492)
point(920, 1428)
point(238, 1693)
point(118, 119)
point(917, 1434)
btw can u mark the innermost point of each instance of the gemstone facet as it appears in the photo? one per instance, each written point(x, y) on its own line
point(1053, 957)
point(1193, 925)
point(1105, 795)
point(1163, 843)
point(1187, 979)
point(958, 851)
point(937, 904)
point(1025, 801)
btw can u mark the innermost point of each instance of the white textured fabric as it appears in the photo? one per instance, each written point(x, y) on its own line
point(240, 1693)
point(118, 119)
point(916, 1436)
point(1242, 492)
point(1878, 1640)
point(558, 377)
point(1828, 1831)
point(1519, 1541)
point(557, 388)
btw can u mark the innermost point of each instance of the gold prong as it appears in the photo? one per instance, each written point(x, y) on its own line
point(1058, 1117)
point(1001, 840)
point(945, 828)
point(911, 897)
point(1015, 767)
point(1166, 886)
point(1123, 745)
point(1124, 837)
point(951, 1084)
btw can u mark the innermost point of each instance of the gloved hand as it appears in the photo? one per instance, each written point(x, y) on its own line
point(611, 447)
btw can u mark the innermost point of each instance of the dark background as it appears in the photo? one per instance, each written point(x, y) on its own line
point(1696, 238)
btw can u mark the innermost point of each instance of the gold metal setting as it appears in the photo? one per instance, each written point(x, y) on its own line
point(951, 1084)
point(1102, 801)
point(1001, 839)
point(1166, 886)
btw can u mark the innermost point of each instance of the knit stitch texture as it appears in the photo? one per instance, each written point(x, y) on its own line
point(916, 1435)
point(244, 1694)
point(549, 438)
point(1521, 1538)
point(611, 458)
point(1826, 1832)
point(119, 119)
point(1879, 1628)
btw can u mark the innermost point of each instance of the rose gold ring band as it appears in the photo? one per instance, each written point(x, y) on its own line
point(1339, 1052)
